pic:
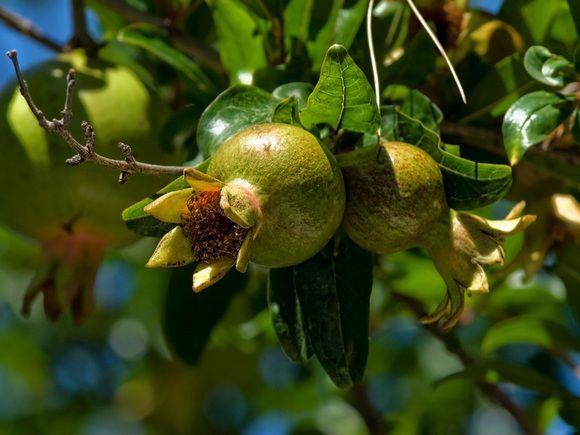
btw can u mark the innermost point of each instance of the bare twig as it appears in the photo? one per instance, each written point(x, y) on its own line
point(26, 27)
point(86, 152)
point(187, 44)
point(453, 345)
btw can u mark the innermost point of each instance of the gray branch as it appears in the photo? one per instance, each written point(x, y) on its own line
point(86, 152)
point(26, 27)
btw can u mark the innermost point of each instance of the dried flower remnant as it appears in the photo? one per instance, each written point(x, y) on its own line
point(273, 195)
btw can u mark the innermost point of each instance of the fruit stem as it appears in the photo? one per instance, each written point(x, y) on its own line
point(439, 47)
point(86, 152)
point(373, 56)
point(27, 28)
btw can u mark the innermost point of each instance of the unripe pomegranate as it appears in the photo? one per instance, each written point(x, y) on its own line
point(74, 212)
point(273, 195)
point(396, 200)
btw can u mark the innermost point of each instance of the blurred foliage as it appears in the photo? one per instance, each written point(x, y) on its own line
point(226, 64)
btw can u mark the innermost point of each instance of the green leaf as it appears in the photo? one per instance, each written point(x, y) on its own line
point(179, 130)
point(300, 90)
point(568, 270)
point(349, 21)
point(558, 165)
point(146, 225)
point(152, 40)
point(334, 292)
point(468, 184)
point(286, 112)
point(343, 97)
point(548, 68)
point(530, 119)
point(332, 22)
point(297, 19)
point(501, 371)
point(499, 88)
point(189, 317)
point(575, 128)
point(415, 65)
point(241, 45)
point(549, 23)
point(287, 317)
point(420, 107)
point(570, 410)
point(234, 109)
point(575, 10)
point(529, 329)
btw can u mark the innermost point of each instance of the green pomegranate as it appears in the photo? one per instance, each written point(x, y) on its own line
point(273, 195)
point(78, 208)
point(396, 201)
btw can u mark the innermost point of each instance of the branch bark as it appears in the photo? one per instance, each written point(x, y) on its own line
point(86, 152)
point(27, 28)
point(81, 37)
point(491, 141)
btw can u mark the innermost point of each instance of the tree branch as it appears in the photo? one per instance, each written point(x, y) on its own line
point(453, 345)
point(360, 400)
point(86, 152)
point(81, 37)
point(187, 44)
point(26, 27)
point(491, 141)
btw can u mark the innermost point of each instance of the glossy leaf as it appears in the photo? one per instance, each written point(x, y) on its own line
point(152, 40)
point(548, 68)
point(468, 184)
point(287, 317)
point(189, 317)
point(529, 329)
point(146, 225)
point(530, 119)
point(234, 109)
point(287, 112)
point(300, 90)
point(420, 107)
point(343, 97)
point(334, 291)
point(241, 45)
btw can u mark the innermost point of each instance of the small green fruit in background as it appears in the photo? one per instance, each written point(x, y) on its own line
point(273, 195)
point(396, 201)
